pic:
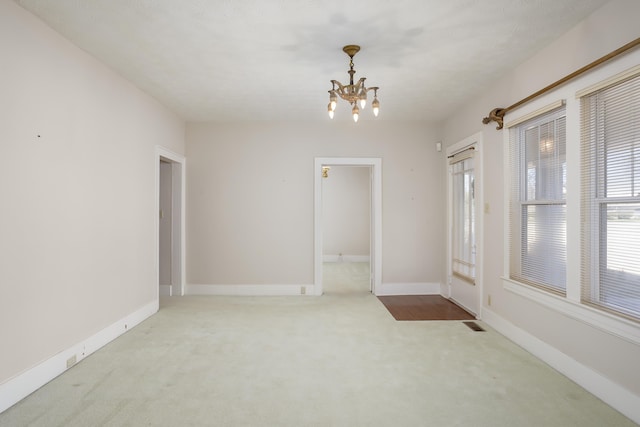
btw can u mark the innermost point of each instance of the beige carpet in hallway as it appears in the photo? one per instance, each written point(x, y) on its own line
point(336, 360)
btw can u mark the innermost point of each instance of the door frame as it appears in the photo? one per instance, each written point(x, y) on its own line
point(178, 241)
point(376, 216)
point(480, 209)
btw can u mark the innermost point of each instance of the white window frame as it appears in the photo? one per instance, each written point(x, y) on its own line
point(570, 304)
point(516, 224)
point(598, 201)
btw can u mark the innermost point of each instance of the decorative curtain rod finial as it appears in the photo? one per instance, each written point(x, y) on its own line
point(496, 115)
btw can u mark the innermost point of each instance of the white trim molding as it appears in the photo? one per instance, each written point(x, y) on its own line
point(410, 288)
point(626, 74)
point(251, 290)
point(384, 289)
point(611, 393)
point(540, 111)
point(346, 258)
point(20, 386)
point(603, 321)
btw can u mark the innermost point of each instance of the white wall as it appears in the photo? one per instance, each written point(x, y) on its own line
point(250, 201)
point(77, 251)
point(615, 359)
point(346, 206)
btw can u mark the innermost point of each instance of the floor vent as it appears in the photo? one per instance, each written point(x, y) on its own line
point(474, 326)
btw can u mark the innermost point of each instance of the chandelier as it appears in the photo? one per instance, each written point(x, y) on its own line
point(354, 94)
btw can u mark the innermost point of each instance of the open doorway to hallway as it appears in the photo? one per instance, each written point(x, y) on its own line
point(348, 258)
point(346, 213)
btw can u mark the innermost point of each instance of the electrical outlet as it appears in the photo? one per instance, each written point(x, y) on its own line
point(71, 361)
point(303, 290)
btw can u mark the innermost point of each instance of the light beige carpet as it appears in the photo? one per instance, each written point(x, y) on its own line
point(336, 360)
point(346, 278)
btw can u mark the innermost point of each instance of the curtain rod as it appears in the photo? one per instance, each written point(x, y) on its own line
point(497, 114)
point(470, 147)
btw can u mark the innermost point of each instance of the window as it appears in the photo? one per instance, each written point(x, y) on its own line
point(537, 210)
point(463, 261)
point(611, 198)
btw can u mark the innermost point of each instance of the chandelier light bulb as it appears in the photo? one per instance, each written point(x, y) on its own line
point(363, 98)
point(333, 99)
point(376, 106)
point(355, 112)
point(330, 111)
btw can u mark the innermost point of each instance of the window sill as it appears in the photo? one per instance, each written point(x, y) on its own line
point(619, 327)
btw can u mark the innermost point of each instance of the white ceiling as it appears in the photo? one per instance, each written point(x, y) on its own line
point(236, 60)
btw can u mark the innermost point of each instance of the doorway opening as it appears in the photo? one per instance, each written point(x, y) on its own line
point(346, 239)
point(362, 175)
point(170, 220)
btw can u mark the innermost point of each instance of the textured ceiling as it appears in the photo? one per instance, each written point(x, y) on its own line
point(237, 60)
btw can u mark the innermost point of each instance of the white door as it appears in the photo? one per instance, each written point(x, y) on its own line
point(170, 201)
point(372, 246)
point(165, 232)
point(463, 242)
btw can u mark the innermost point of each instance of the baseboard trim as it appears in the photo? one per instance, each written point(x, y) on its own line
point(165, 290)
point(250, 290)
point(412, 288)
point(346, 258)
point(595, 383)
point(22, 385)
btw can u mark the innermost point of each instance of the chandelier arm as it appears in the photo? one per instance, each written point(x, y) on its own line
point(340, 85)
point(343, 91)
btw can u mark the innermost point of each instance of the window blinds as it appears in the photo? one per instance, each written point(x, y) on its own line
point(537, 208)
point(610, 211)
